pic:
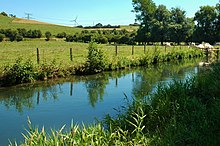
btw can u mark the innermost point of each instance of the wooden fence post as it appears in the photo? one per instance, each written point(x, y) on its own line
point(116, 50)
point(144, 48)
point(38, 56)
point(165, 48)
point(71, 54)
point(132, 51)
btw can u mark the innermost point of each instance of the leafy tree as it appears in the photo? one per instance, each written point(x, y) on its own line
point(61, 35)
point(160, 24)
point(2, 36)
point(48, 35)
point(11, 34)
point(206, 19)
point(180, 26)
point(99, 25)
point(96, 60)
point(218, 22)
point(19, 37)
point(145, 10)
point(4, 14)
point(22, 32)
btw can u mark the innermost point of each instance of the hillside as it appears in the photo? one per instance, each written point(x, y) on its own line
point(14, 23)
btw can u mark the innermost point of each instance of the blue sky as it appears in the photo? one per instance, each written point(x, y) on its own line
point(89, 12)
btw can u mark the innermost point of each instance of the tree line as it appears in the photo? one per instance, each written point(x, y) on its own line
point(103, 36)
point(158, 24)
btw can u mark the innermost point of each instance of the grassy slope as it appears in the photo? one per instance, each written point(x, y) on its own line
point(14, 23)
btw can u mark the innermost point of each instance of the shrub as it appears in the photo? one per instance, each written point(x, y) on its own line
point(96, 61)
point(4, 14)
point(48, 35)
point(19, 38)
point(61, 35)
point(2, 36)
point(20, 72)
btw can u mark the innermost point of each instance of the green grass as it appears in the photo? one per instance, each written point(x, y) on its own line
point(8, 23)
point(18, 61)
point(13, 23)
point(60, 51)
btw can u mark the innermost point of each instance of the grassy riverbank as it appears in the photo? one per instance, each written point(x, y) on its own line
point(94, 59)
point(101, 58)
point(181, 113)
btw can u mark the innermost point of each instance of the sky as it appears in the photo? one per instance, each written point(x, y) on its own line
point(90, 12)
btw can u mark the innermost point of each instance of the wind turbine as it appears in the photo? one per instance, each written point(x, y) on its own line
point(74, 20)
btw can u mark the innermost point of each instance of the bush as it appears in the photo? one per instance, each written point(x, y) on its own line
point(96, 61)
point(48, 35)
point(19, 38)
point(69, 38)
point(61, 35)
point(20, 72)
point(2, 36)
point(4, 14)
point(11, 34)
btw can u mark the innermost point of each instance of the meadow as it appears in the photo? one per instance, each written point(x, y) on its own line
point(60, 51)
point(14, 23)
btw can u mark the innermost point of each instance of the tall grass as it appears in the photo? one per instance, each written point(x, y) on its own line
point(180, 113)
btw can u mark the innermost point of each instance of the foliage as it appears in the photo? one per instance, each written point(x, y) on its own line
point(19, 38)
point(2, 36)
point(161, 24)
point(61, 35)
point(96, 60)
point(206, 28)
point(48, 35)
point(180, 113)
point(20, 72)
point(4, 14)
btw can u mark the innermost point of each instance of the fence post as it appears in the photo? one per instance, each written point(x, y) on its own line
point(165, 48)
point(38, 56)
point(144, 48)
point(116, 50)
point(132, 51)
point(71, 54)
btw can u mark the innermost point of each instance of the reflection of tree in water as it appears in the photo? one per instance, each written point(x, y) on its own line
point(96, 88)
point(146, 78)
point(28, 97)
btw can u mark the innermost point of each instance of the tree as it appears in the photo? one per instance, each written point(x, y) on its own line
point(206, 19)
point(4, 14)
point(180, 26)
point(48, 35)
point(218, 22)
point(2, 36)
point(145, 10)
point(160, 24)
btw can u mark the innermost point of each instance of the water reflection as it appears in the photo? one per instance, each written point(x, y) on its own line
point(81, 98)
point(143, 80)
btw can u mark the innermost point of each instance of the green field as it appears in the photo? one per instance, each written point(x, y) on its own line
point(14, 23)
point(60, 51)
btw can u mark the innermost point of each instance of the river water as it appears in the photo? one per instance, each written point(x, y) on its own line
point(83, 99)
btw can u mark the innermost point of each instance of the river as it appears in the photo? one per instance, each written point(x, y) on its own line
point(83, 99)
